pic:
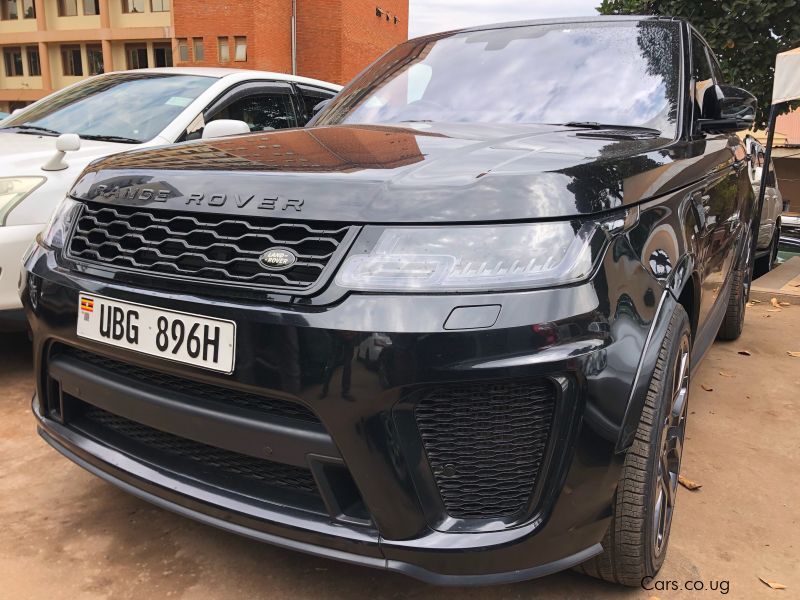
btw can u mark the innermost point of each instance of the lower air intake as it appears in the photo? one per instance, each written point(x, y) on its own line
point(485, 443)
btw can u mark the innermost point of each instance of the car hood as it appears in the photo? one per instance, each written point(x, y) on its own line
point(24, 154)
point(420, 173)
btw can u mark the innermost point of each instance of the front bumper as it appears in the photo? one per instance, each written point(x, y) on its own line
point(379, 502)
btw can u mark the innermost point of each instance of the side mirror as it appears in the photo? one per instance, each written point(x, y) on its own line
point(224, 128)
point(727, 108)
point(66, 142)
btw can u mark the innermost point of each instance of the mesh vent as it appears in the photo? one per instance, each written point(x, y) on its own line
point(485, 443)
point(195, 389)
point(207, 247)
point(221, 462)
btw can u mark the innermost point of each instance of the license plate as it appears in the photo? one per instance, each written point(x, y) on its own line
point(177, 336)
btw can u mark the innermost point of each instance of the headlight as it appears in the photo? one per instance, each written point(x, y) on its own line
point(55, 232)
point(13, 190)
point(476, 257)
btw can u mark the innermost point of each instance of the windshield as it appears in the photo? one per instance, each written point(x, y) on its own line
point(133, 107)
point(624, 73)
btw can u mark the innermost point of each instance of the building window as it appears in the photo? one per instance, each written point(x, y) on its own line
point(71, 61)
point(132, 6)
point(240, 43)
point(183, 50)
point(159, 5)
point(9, 10)
point(34, 66)
point(224, 49)
point(91, 7)
point(67, 8)
point(162, 54)
point(94, 56)
point(137, 56)
point(12, 58)
point(28, 9)
point(199, 52)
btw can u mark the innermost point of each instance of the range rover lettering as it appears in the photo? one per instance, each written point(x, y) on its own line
point(446, 330)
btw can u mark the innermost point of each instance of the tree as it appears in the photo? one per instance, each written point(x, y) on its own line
point(745, 35)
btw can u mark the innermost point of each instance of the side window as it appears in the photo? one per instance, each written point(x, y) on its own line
point(309, 98)
point(715, 68)
point(261, 109)
point(702, 76)
point(261, 112)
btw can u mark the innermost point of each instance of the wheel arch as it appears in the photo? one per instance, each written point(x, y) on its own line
point(684, 285)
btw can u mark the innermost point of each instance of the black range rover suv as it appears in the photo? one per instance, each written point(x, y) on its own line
point(447, 331)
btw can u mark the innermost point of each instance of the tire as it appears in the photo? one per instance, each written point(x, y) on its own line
point(635, 544)
point(733, 323)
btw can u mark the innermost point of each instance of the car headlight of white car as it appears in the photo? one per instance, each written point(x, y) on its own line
point(14, 190)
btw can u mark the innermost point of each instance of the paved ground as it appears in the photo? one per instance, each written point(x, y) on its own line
point(66, 534)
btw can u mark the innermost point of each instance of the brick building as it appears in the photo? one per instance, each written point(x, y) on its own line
point(48, 44)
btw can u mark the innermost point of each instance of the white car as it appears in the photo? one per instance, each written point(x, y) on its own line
point(121, 111)
point(769, 231)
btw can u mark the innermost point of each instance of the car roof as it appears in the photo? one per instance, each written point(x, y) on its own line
point(243, 74)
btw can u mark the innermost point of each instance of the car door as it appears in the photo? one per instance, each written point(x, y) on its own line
point(264, 106)
point(773, 204)
point(718, 203)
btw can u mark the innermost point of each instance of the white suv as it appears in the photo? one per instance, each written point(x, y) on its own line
point(46, 145)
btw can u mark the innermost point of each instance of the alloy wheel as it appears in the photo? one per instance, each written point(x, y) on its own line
point(671, 449)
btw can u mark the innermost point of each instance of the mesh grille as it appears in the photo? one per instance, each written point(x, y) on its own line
point(201, 246)
point(485, 443)
point(195, 389)
point(221, 462)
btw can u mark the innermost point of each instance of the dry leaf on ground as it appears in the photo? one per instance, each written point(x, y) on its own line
point(754, 301)
point(745, 352)
point(688, 483)
point(724, 374)
point(774, 309)
point(794, 354)
point(773, 584)
point(706, 388)
point(775, 303)
point(784, 303)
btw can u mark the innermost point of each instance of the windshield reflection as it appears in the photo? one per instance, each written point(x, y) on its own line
point(608, 72)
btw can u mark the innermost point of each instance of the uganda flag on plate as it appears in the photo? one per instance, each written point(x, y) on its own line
point(87, 304)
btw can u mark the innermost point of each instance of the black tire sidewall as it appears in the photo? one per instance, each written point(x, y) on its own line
point(680, 328)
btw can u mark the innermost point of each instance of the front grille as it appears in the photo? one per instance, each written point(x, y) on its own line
point(485, 443)
point(215, 248)
point(216, 463)
point(194, 389)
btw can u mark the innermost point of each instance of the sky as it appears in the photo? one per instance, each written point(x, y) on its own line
point(430, 16)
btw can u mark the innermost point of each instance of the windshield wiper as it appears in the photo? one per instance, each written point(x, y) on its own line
point(33, 129)
point(599, 126)
point(110, 138)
